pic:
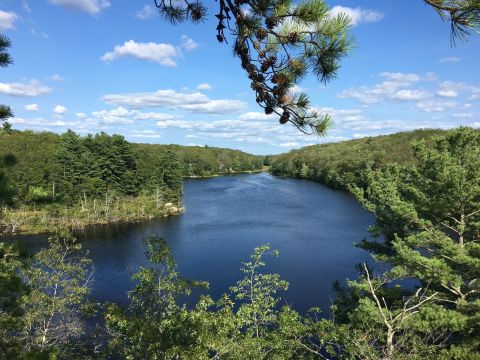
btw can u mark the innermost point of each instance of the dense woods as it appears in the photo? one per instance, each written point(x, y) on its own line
point(45, 177)
point(341, 164)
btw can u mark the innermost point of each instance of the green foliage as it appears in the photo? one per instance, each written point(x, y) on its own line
point(58, 280)
point(71, 180)
point(43, 300)
point(7, 190)
point(278, 43)
point(76, 167)
point(463, 15)
point(429, 215)
point(340, 165)
point(11, 291)
point(154, 326)
point(37, 194)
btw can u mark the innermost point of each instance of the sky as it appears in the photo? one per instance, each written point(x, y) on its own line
point(116, 66)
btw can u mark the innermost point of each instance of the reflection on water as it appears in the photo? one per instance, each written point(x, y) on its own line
point(314, 228)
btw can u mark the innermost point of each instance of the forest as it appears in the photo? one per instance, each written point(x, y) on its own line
point(426, 305)
point(49, 178)
point(340, 165)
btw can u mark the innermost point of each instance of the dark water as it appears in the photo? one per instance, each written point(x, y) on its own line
point(312, 226)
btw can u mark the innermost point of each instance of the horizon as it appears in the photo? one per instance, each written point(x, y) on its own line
point(145, 79)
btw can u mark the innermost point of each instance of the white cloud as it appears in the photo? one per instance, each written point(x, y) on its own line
point(403, 78)
point(436, 106)
point(463, 115)
point(93, 7)
point(188, 44)
point(81, 115)
point(391, 89)
point(57, 77)
point(30, 89)
point(163, 54)
point(253, 115)
point(409, 95)
point(451, 59)
point(26, 7)
point(295, 89)
point(204, 86)
point(146, 135)
point(123, 116)
point(358, 15)
point(31, 107)
point(451, 89)
point(60, 110)
point(7, 20)
point(40, 122)
point(290, 145)
point(195, 102)
point(148, 12)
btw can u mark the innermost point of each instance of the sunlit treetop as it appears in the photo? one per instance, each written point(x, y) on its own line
point(280, 41)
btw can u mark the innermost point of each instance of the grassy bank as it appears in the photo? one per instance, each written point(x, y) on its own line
point(37, 220)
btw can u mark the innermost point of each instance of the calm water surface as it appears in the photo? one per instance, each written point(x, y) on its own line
point(311, 225)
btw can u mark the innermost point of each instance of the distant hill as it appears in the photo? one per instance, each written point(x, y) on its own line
point(340, 164)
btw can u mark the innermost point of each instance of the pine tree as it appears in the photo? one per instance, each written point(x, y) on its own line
point(279, 41)
point(429, 215)
point(5, 60)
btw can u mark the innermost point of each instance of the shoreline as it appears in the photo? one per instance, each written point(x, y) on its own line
point(232, 173)
point(40, 223)
point(36, 222)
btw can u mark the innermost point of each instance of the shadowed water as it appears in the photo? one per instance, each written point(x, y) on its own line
point(312, 226)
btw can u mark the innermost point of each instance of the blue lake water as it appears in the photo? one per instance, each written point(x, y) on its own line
point(312, 226)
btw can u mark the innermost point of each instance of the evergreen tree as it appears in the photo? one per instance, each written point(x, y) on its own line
point(429, 216)
point(171, 175)
point(5, 60)
point(7, 190)
point(279, 41)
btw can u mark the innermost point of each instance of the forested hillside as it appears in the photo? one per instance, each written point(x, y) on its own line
point(340, 164)
point(93, 164)
point(102, 177)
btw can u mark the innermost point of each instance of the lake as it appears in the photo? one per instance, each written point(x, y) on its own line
point(312, 226)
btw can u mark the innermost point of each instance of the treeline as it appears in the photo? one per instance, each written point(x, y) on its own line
point(203, 161)
point(339, 165)
point(48, 179)
point(63, 167)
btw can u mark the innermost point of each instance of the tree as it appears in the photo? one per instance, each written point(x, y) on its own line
point(464, 16)
point(11, 291)
point(170, 172)
point(7, 190)
point(429, 216)
point(57, 280)
point(280, 41)
point(154, 326)
point(5, 60)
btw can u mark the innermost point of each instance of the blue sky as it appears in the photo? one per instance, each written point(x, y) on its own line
point(114, 66)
